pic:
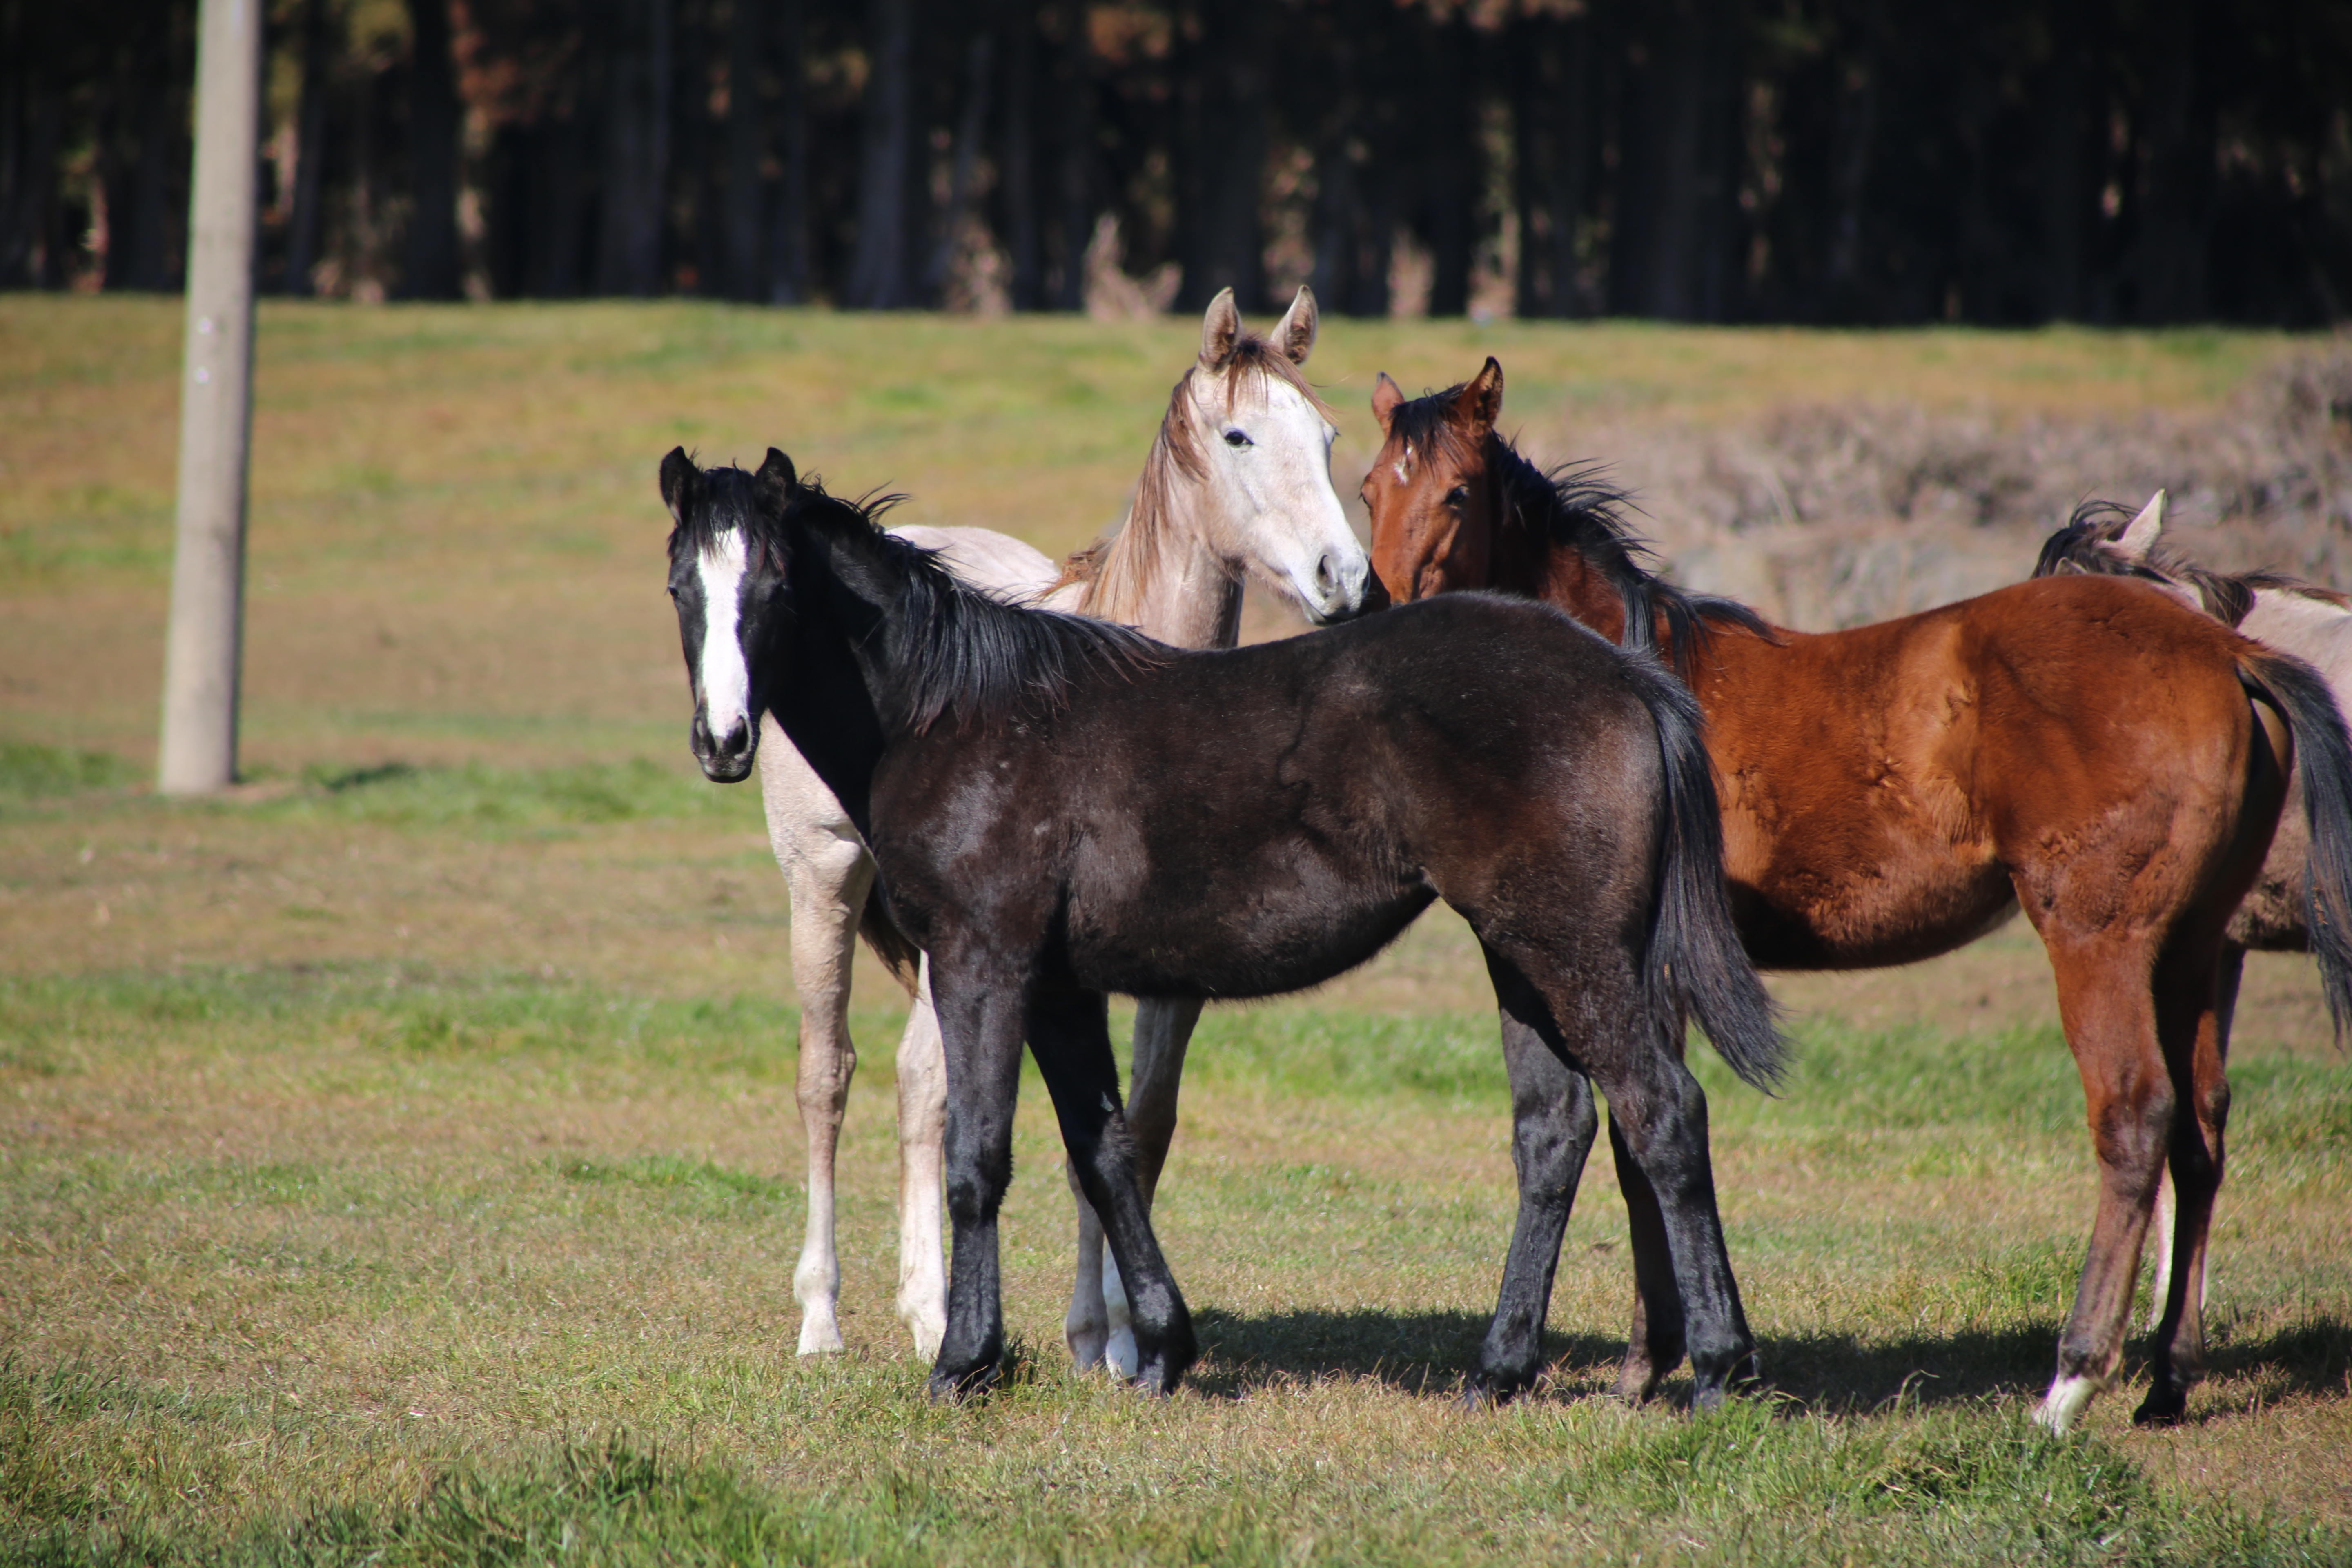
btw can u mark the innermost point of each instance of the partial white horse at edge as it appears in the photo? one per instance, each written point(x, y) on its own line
point(2314, 623)
point(1237, 483)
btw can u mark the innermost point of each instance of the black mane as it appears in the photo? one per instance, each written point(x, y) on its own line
point(955, 652)
point(2229, 597)
point(1574, 506)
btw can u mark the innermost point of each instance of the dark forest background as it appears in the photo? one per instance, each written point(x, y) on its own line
point(1826, 161)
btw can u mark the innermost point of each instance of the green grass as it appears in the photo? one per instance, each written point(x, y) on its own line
point(568, 1322)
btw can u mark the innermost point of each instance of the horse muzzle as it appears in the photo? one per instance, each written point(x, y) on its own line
point(725, 758)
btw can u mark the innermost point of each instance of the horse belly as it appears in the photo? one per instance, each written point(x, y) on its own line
point(1894, 903)
point(1231, 933)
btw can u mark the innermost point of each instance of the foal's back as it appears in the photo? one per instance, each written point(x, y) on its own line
point(1250, 822)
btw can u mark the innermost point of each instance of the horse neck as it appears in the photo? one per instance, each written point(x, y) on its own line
point(1159, 575)
point(835, 700)
point(1525, 559)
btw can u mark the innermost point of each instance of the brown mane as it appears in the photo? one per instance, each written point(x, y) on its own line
point(1132, 545)
point(2086, 545)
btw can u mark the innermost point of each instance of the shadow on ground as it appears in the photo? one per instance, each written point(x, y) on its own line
point(1430, 1353)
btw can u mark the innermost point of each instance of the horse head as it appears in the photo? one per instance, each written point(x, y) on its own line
point(1245, 427)
point(1431, 492)
point(728, 566)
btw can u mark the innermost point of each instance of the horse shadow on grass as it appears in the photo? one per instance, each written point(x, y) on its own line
point(1430, 1354)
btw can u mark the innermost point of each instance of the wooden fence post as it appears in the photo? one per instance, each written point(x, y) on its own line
point(204, 649)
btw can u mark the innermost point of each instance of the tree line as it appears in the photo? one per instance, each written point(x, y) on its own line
point(1812, 161)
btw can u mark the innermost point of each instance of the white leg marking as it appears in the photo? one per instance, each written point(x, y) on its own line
point(2065, 1402)
point(922, 1137)
point(1120, 1353)
point(1087, 1327)
point(2162, 1227)
point(726, 682)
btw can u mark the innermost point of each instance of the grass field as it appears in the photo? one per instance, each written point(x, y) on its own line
point(398, 1162)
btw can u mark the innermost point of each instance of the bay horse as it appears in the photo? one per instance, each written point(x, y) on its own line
point(1237, 484)
point(2280, 611)
point(1061, 807)
point(1893, 791)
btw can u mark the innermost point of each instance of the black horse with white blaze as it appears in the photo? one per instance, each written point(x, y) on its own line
point(1062, 808)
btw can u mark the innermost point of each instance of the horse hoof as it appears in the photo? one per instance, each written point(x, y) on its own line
point(1120, 1355)
point(947, 1387)
point(1158, 1379)
point(2162, 1407)
point(1088, 1347)
point(1492, 1391)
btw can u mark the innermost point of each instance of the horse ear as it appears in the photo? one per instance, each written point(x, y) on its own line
point(1295, 333)
point(2139, 538)
point(1481, 402)
point(679, 478)
point(1221, 328)
point(774, 480)
point(1387, 395)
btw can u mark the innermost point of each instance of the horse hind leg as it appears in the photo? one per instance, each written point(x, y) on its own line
point(1098, 1326)
point(2189, 1019)
point(2225, 1012)
point(922, 1129)
point(1070, 1038)
point(829, 874)
point(1552, 1124)
point(2108, 1009)
point(1654, 1346)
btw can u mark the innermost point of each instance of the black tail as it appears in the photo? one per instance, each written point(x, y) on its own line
point(902, 957)
point(2324, 754)
point(1697, 967)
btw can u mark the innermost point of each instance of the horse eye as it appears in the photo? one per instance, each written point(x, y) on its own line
point(1458, 496)
point(1235, 438)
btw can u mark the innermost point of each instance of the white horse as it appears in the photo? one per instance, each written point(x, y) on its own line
point(1238, 482)
point(2313, 623)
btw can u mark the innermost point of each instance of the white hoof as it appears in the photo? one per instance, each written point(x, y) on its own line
point(2065, 1404)
point(1120, 1353)
point(929, 1325)
point(820, 1335)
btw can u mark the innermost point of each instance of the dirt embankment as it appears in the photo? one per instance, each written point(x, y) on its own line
point(1835, 515)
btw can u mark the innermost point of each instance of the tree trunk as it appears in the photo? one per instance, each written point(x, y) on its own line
point(1222, 248)
point(1019, 26)
point(746, 35)
point(1450, 194)
point(788, 252)
point(1078, 162)
point(636, 151)
point(302, 224)
point(433, 261)
point(1336, 204)
point(2178, 183)
point(877, 269)
point(1571, 163)
point(972, 126)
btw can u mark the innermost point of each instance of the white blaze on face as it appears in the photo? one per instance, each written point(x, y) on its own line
point(725, 681)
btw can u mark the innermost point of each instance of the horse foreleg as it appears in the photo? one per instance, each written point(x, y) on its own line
point(2109, 1014)
point(828, 874)
point(1097, 1326)
point(1070, 1037)
point(922, 1128)
point(980, 1028)
point(2189, 1019)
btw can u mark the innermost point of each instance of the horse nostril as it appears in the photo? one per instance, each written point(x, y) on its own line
point(1326, 580)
